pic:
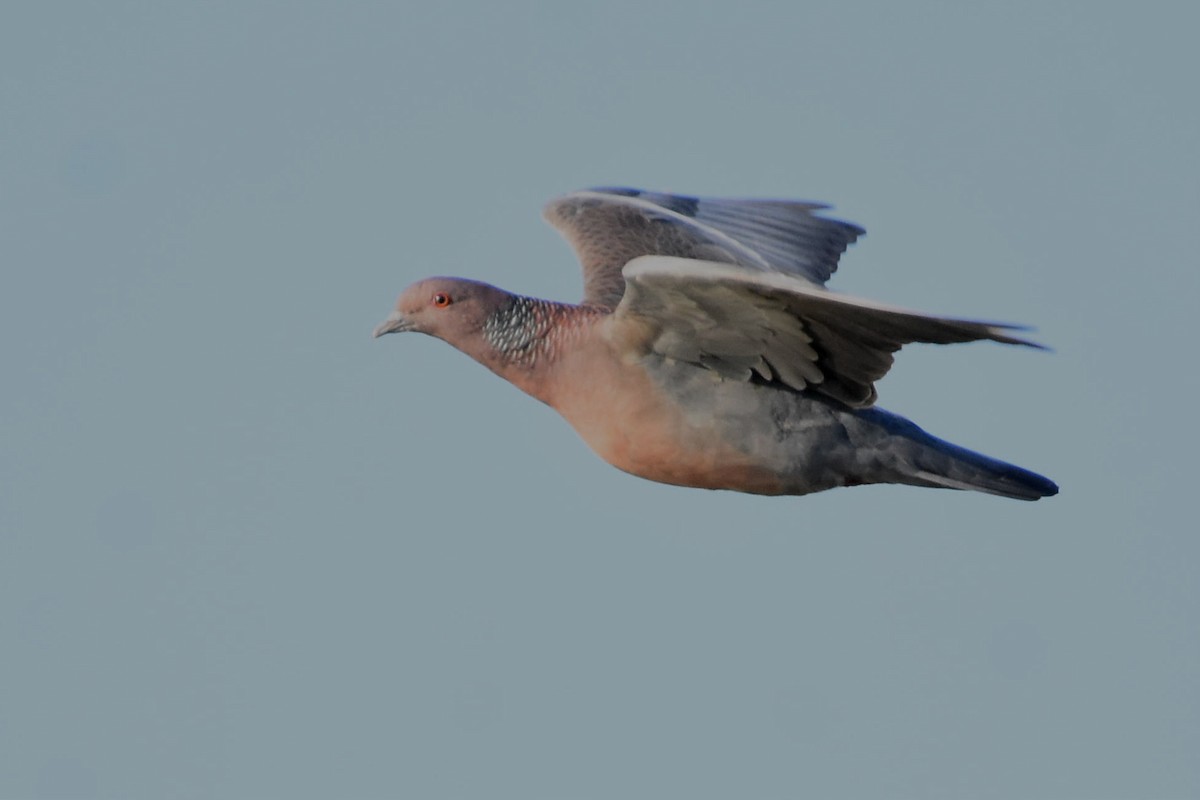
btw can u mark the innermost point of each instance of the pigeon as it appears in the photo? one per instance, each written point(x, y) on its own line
point(707, 351)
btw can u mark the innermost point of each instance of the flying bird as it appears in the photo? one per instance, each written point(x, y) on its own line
point(708, 352)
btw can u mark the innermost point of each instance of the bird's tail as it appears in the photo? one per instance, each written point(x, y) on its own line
point(926, 460)
point(976, 472)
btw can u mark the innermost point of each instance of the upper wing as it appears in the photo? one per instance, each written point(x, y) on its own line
point(608, 228)
point(785, 330)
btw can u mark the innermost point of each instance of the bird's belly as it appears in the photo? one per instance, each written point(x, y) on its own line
point(689, 460)
point(651, 432)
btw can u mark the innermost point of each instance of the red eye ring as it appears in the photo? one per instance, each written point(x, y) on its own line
point(441, 300)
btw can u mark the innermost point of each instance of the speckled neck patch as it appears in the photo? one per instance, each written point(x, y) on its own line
point(515, 329)
point(527, 329)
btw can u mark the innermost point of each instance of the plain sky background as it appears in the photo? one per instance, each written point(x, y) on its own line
point(248, 552)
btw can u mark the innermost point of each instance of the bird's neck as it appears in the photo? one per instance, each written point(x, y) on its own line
point(523, 341)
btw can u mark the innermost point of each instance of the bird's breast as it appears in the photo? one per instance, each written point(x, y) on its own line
point(637, 422)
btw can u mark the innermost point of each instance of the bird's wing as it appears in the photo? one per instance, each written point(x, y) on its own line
point(752, 325)
point(608, 228)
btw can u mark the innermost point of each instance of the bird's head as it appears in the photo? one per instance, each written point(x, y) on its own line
point(452, 309)
point(498, 329)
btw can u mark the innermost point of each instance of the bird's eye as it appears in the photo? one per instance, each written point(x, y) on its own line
point(441, 300)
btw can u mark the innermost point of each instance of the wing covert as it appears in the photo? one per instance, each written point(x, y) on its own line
point(608, 228)
point(778, 328)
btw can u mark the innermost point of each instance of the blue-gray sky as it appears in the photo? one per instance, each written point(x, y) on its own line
point(247, 551)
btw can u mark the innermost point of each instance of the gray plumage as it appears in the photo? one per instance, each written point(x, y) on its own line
point(707, 351)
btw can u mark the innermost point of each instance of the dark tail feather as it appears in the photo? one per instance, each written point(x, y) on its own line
point(959, 468)
point(999, 478)
point(929, 461)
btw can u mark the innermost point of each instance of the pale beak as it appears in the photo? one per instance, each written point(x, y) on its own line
point(396, 323)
